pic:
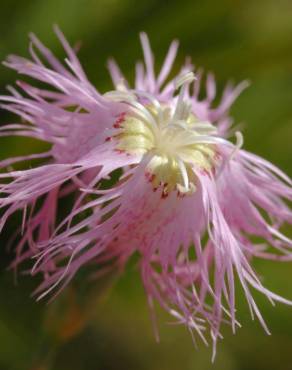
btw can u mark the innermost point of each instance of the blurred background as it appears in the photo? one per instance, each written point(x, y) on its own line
point(105, 325)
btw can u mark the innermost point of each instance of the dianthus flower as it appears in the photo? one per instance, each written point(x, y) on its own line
point(187, 199)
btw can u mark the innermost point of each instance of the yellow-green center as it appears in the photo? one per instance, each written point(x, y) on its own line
point(173, 144)
point(176, 142)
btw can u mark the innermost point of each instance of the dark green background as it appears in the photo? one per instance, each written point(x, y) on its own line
point(235, 39)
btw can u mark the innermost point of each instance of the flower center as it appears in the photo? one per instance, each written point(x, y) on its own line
point(174, 138)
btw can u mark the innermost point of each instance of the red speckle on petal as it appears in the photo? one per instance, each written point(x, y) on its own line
point(164, 193)
point(180, 195)
point(120, 120)
point(150, 176)
point(120, 151)
point(205, 172)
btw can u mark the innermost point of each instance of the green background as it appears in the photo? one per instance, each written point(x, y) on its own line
point(105, 325)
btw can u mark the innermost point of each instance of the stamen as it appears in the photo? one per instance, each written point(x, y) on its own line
point(152, 100)
point(184, 174)
point(136, 107)
point(238, 145)
point(120, 96)
point(121, 85)
point(181, 106)
point(185, 79)
point(236, 148)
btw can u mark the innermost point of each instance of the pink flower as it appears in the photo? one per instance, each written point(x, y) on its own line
point(188, 199)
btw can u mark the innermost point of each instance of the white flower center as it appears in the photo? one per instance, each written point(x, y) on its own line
point(171, 134)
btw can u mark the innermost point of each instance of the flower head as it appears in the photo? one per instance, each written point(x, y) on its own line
point(188, 198)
